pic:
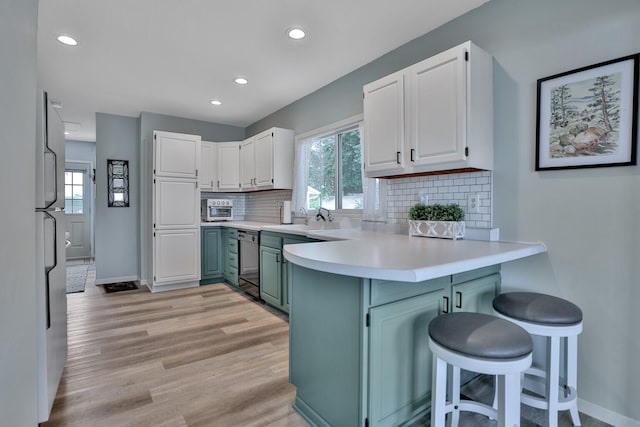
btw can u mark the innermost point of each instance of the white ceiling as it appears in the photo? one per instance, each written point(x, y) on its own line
point(173, 57)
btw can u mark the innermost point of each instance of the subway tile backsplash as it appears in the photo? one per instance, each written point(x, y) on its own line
point(403, 193)
point(261, 206)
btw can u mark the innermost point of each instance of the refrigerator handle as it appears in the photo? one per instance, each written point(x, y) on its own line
point(47, 269)
point(50, 152)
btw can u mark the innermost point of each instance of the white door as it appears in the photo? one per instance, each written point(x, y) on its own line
point(228, 166)
point(384, 124)
point(264, 159)
point(77, 198)
point(176, 255)
point(176, 203)
point(247, 164)
point(176, 155)
point(437, 99)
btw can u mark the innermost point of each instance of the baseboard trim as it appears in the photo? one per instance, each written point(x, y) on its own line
point(117, 279)
point(603, 414)
point(174, 286)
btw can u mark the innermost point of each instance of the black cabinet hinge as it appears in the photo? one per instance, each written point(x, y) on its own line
point(367, 322)
point(272, 134)
point(366, 422)
point(466, 56)
point(466, 151)
point(155, 136)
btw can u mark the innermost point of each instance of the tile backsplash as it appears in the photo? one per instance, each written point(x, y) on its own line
point(261, 206)
point(402, 193)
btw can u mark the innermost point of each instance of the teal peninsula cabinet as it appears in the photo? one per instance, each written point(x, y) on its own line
point(358, 316)
point(274, 274)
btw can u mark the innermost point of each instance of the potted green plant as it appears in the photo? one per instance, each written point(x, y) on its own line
point(444, 221)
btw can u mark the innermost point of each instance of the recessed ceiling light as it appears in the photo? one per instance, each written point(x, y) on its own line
point(296, 33)
point(69, 41)
point(241, 80)
point(215, 102)
point(67, 132)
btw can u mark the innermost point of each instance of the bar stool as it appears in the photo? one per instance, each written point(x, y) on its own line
point(557, 320)
point(480, 343)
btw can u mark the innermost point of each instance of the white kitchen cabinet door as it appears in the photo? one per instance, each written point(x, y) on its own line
point(176, 203)
point(436, 123)
point(208, 175)
point(229, 166)
point(384, 121)
point(436, 115)
point(248, 165)
point(176, 155)
point(176, 256)
point(264, 159)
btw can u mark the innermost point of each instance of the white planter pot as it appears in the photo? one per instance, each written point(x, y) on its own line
point(442, 229)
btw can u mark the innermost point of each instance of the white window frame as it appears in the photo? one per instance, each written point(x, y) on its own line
point(374, 190)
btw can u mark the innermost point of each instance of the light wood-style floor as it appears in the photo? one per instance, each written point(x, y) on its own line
point(199, 357)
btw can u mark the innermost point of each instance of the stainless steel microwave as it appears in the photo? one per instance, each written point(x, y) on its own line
point(217, 210)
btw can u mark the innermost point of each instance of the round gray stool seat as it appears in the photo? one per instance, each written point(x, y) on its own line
point(480, 335)
point(537, 308)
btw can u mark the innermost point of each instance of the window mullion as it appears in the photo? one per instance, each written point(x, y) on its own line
point(338, 166)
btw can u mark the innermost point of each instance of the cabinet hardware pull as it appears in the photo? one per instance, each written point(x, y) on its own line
point(397, 157)
point(277, 257)
point(211, 183)
point(412, 152)
point(445, 309)
point(459, 298)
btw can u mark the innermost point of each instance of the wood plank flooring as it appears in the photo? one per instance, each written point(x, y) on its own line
point(198, 357)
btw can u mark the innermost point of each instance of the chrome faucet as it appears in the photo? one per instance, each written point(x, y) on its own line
point(319, 215)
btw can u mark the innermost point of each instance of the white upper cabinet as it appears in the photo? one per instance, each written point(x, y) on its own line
point(176, 155)
point(264, 153)
point(247, 165)
point(384, 124)
point(266, 160)
point(208, 176)
point(444, 120)
point(229, 166)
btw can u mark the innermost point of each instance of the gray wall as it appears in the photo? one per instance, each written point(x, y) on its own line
point(587, 218)
point(18, 19)
point(148, 123)
point(80, 150)
point(116, 229)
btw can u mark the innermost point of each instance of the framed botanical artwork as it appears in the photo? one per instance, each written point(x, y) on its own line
point(588, 117)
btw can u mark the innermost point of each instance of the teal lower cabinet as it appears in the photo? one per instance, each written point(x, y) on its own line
point(211, 255)
point(230, 258)
point(359, 351)
point(271, 276)
point(274, 275)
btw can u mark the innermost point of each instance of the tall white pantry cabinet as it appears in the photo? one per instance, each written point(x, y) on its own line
point(176, 211)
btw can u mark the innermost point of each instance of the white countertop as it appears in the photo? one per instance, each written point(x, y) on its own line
point(387, 256)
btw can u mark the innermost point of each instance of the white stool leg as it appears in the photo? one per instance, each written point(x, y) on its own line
point(509, 400)
point(454, 397)
point(553, 379)
point(572, 375)
point(438, 392)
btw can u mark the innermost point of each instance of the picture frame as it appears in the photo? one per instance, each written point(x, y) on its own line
point(588, 117)
point(118, 183)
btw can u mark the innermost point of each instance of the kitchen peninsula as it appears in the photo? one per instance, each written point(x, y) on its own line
point(359, 314)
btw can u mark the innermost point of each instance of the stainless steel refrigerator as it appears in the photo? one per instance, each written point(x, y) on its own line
point(50, 263)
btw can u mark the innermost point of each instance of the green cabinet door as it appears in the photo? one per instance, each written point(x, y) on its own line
point(211, 262)
point(271, 276)
point(230, 258)
point(399, 358)
point(476, 295)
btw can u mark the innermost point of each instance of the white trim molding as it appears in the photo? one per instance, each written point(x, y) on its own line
point(606, 415)
point(117, 280)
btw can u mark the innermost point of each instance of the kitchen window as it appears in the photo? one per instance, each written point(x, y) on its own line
point(328, 171)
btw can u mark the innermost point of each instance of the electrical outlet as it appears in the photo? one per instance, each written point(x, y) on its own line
point(473, 203)
point(424, 197)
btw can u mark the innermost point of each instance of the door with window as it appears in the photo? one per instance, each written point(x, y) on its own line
point(77, 207)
